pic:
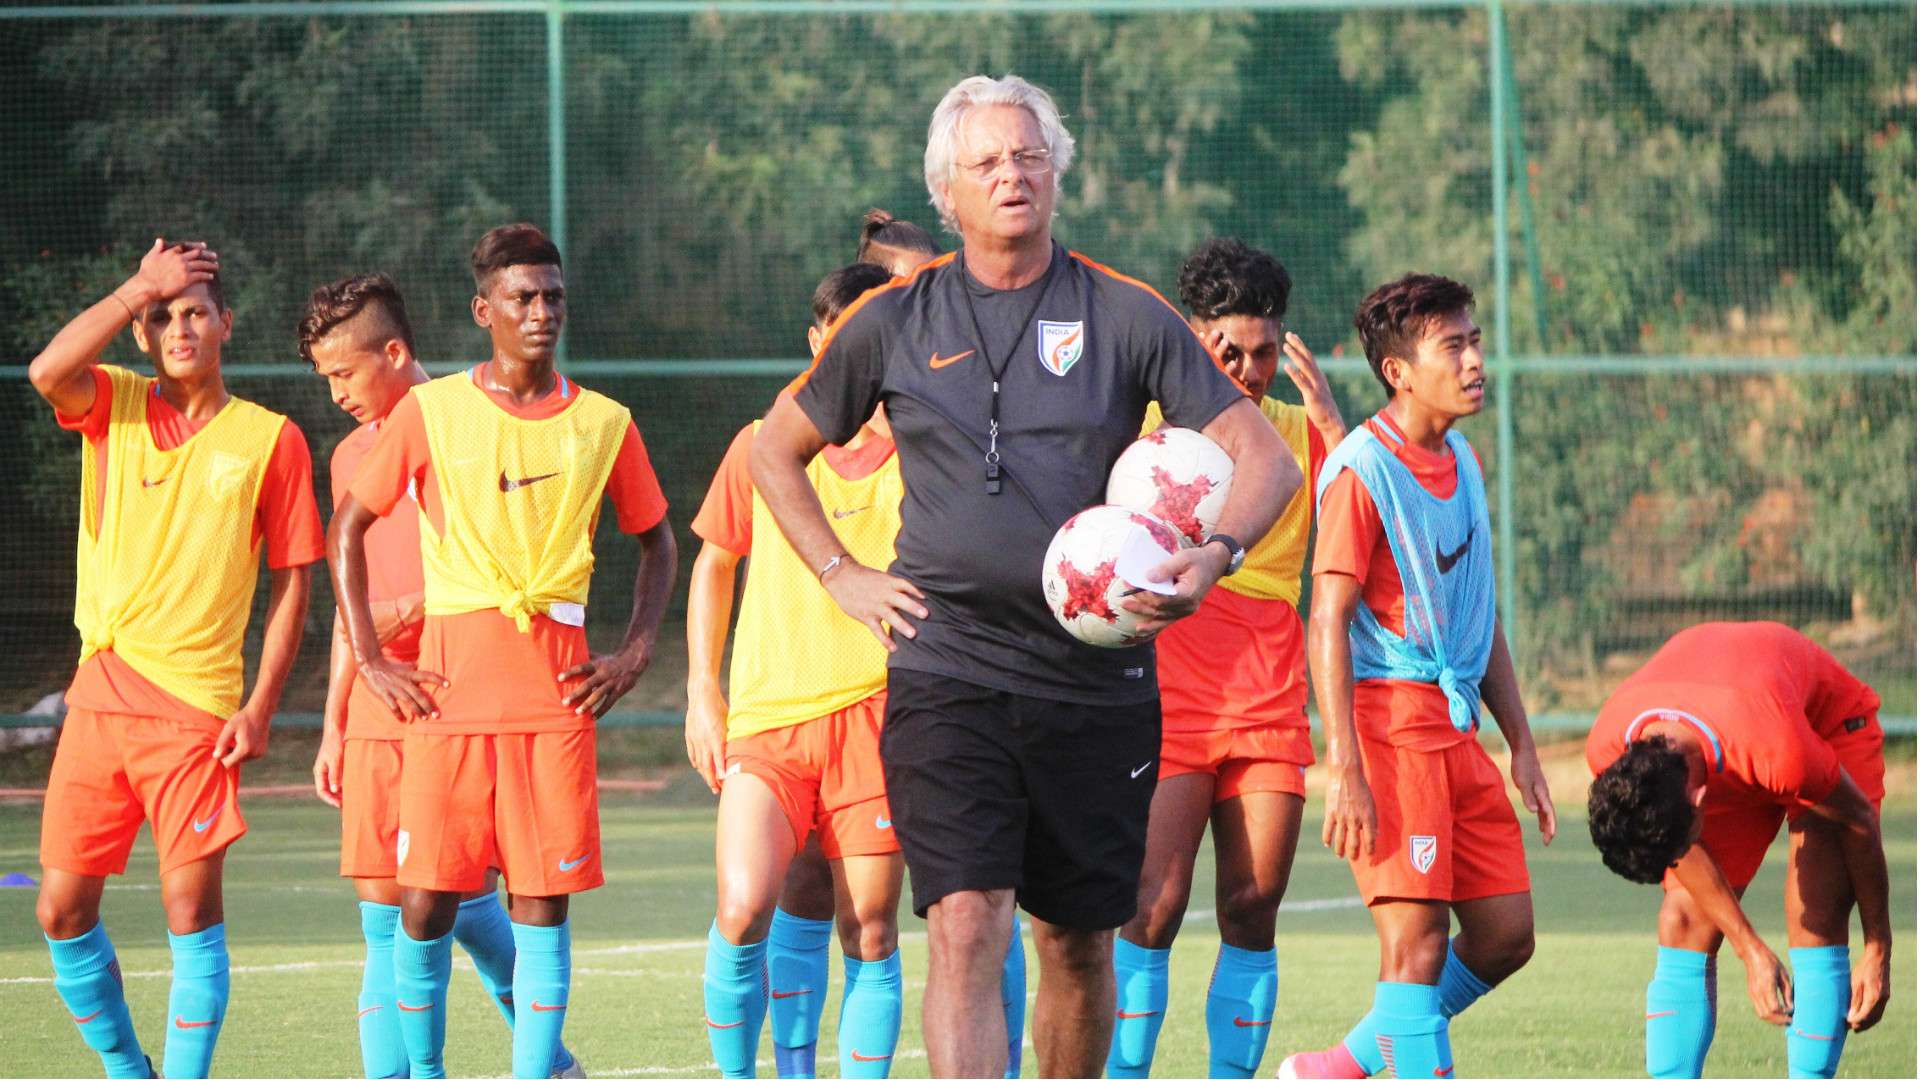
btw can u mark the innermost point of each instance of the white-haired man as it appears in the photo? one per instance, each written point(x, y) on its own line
point(1019, 762)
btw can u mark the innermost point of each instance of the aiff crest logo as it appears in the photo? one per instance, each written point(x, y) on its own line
point(1060, 345)
point(1421, 850)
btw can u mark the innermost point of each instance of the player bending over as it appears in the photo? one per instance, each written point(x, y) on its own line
point(509, 460)
point(797, 749)
point(1699, 755)
point(356, 336)
point(1234, 745)
point(180, 483)
point(1405, 645)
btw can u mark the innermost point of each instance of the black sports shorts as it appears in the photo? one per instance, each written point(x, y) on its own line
point(994, 790)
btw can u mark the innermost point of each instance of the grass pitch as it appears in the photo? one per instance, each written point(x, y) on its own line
point(636, 1010)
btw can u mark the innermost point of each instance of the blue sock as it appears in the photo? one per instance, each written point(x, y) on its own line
point(870, 1017)
point(1240, 1001)
point(1822, 991)
point(198, 1001)
point(86, 975)
point(482, 929)
point(736, 994)
point(420, 972)
point(1013, 997)
point(1459, 986)
point(1680, 1013)
point(541, 978)
point(1412, 1033)
point(797, 986)
point(382, 1053)
point(1140, 1004)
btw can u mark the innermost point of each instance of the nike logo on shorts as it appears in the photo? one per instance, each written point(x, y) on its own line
point(566, 867)
point(185, 1024)
point(782, 995)
point(516, 485)
point(203, 826)
point(1135, 774)
point(882, 822)
point(936, 361)
point(731, 770)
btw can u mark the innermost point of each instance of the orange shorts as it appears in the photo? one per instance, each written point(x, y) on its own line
point(526, 803)
point(1237, 662)
point(111, 772)
point(826, 775)
point(369, 808)
point(1737, 831)
point(1446, 828)
point(1241, 760)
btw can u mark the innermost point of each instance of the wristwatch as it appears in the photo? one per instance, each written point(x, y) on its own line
point(1236, 551)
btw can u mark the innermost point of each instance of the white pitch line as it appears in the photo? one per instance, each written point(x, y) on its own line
point(1286, 907)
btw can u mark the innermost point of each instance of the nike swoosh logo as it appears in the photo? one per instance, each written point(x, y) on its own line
point(1448, 1071)
point(88, 1017)
point(722, 1027)
point(1135, 774)
point(537, 1007)
point(858, 1056)
point(565, 866)
point(782, 995)
point(371, 1009)
point(936, 361)
point(188, 1025)
point(1136, 1016)
point(146, 483)
point(838, 514)
point(404, 1007)
point(883, 823)
point(1238, 1022)
point(1446, 561)
point(516, 485)
point(1658, 1015)
point(1810, 1035)
point(203, 826)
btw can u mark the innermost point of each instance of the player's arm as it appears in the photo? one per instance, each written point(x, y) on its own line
point(1350, 824)
point(606, 679)
point(402, 687)
point(245, 735)
point(786, 442)
point(1500, 689)
point(333, 715)
point(62, 373)
point(709, 608)
point(1865, 855)
point(1316, 393)
point(1769, 986)
point(1265, 478)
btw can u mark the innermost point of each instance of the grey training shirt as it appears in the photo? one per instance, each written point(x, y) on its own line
point(1078, 375)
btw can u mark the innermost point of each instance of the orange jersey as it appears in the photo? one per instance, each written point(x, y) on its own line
point(285, 517)
point(393, 571)
point(501, 680)
point(1353, 542)
point(1771, 704)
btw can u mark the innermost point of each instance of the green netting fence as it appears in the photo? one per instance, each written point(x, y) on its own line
point(1691, 227)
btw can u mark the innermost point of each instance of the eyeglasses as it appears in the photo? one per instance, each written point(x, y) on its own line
point(1034, 162)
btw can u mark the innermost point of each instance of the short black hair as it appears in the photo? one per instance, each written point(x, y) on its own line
point(881, 229)
point(511, 245)
point(1639, 813)
point(338, 301)
point(838, 290)
point(1226, 277)
point(1394, 317)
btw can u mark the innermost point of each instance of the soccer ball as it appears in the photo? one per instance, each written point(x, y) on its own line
point(1176, 474)
point(1083, 573)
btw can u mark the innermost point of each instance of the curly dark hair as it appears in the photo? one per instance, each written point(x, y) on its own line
point(1394, 317)
point(338, 301)
point(1226, 277)
point(838, 290)
point(1639, 813)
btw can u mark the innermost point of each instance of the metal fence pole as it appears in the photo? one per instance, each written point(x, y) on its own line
point(557, 138)
point(1502, 324)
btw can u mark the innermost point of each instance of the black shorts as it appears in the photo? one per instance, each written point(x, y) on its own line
point(993, 790)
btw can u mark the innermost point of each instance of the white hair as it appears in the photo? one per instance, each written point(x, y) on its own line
point(943, 133)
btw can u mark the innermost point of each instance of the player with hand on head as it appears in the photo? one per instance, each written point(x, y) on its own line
point(1698, 756)
point(509, 461)
point(356, 335)
point(795, 753)
point(1404, 645)
point(1018, 759)
point(180, 484)
point(1234, 743)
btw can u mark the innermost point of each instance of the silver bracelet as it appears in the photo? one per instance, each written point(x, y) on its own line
point(832, 565)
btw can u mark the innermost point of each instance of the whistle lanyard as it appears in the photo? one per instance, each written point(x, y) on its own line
point(996, 371)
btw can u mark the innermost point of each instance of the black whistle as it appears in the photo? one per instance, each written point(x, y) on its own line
point(993, 478)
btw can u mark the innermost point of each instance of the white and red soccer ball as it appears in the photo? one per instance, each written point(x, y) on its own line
point(1081, 576)
point(1176, 474)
